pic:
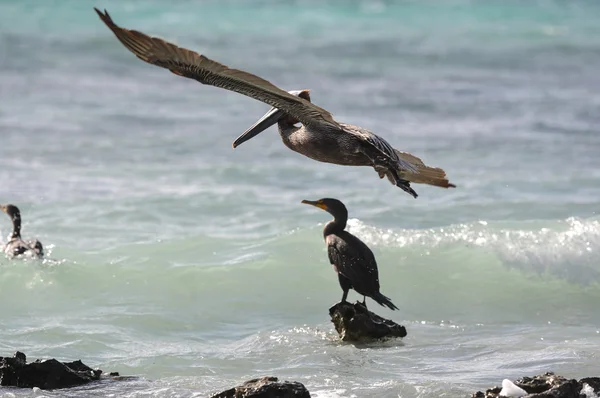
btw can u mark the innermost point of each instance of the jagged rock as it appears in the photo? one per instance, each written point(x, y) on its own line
point(354, 322)
point(266, 387)
point(569, 388)
point(548, 385)
point(48, 374)
point(540, 383)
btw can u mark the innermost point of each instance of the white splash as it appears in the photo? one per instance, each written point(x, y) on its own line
point(588, 391)
point(509, 389)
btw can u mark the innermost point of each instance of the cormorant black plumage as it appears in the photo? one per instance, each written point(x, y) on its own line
point(16, 245)
point(351, 258)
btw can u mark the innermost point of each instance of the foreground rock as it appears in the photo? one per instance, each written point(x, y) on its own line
point(267, 387)
point(354, 322)
point(47, 375)
point(550, 385)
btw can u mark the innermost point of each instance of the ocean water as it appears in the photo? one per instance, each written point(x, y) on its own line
point(193, 266)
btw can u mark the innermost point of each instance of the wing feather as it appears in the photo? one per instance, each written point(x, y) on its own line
point(190, 64)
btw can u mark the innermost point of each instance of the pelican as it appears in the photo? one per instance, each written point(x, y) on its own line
point(320, 137)
point(16, 246)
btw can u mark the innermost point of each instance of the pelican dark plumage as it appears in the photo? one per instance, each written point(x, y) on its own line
point(16, 246)
point(351, 258)
point(320, 137)
point(351, 146)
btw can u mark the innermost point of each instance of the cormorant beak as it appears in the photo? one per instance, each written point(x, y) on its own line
point(269, 119)
point(3, 208)
point(315, 203)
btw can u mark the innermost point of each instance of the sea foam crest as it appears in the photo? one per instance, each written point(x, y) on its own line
point(569, 249)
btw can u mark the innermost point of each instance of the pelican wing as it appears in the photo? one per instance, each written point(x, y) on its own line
point(190, 64)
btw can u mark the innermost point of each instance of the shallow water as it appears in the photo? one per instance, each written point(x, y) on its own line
point(174, 258)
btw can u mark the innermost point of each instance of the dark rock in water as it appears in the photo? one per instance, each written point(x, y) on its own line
point(593, 382)
point(266, 387)
point(48, 374)
point(354, 322)
point(548, 385)
point(540, 383)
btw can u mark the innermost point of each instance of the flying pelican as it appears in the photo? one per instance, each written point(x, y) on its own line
point(320, 137)
point(352, 260)
point(15, 245)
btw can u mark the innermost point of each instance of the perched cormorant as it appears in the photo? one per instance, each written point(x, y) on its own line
point(15, 245)
point(320, 137)
point(353, 261)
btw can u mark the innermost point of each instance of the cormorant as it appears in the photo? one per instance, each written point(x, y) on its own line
point(351, 258)
point(15, 245)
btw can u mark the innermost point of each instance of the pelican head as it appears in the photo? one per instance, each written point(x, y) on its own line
point(273, 116)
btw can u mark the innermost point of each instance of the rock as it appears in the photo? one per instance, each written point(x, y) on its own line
point(548, 385)
point(266, 387)
point(540, 383)
point(354, 322)
point(48, 374)
point(593, 382)
point(569, 388)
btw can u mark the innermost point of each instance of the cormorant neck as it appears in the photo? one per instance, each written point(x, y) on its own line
point(337, 225)
point(16, 220)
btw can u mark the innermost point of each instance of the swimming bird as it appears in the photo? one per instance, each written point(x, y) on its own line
point(320, 137)
point(351, 258)
point(15, 245)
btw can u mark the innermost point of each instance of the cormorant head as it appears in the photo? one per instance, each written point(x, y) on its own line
point(333, 206)
point(270, 118)
point(11, 210)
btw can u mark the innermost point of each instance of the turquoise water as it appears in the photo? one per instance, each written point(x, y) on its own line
point(174, 258)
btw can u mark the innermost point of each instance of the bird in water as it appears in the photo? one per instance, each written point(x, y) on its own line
point(351, 258)
point(320, 137)
point(16, 246)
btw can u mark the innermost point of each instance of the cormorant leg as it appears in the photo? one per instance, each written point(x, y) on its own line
point(346, 285)
point(365, 301)
point(344, 296)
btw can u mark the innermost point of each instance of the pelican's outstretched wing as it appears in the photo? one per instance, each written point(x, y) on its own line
point(190, 64)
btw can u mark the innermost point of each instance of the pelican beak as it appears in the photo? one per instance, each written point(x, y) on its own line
point(316, 203)
point(269, 119)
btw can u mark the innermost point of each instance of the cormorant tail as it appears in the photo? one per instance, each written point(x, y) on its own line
point(425, 174)
point(384, 301)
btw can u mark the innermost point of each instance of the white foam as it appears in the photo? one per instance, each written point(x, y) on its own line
point(338, 393)
point(588, 391)
point(509, 389)
point(568, 249)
